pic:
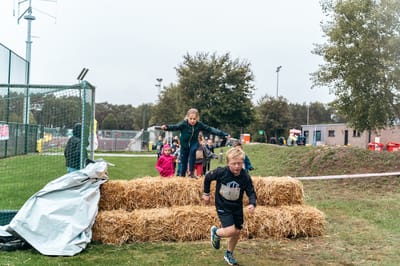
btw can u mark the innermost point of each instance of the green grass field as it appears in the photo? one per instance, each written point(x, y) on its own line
point(362, 214)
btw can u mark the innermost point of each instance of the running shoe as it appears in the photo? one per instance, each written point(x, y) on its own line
point(215, 240)
point(229, 258)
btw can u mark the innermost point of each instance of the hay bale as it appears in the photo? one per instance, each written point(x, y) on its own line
point(278, 191)
point(111, 195)
point(182, 223)
point(177, 191)
point(189, 223)
point(150, 193)
point(284, 221)
point(112, 227)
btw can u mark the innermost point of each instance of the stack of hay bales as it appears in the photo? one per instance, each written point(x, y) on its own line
point(171, 209)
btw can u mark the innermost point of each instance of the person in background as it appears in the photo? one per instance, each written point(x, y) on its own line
point(202, 156)
point(210, 147)
point(190, 128)
point(247, 164)
point(177, 156)
point(159, 145)
point(72, 151)
point(231, 183)
point(174, 147)
point(165, 164)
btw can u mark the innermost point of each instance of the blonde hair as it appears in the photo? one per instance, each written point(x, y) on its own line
point(193, 111)
point(234, 153)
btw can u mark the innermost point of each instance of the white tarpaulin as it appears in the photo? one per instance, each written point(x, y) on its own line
point(58, 219)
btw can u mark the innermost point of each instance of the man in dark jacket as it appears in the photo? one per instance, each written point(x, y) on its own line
point(72, 152)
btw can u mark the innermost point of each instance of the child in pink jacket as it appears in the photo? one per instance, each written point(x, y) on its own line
point(165, 164)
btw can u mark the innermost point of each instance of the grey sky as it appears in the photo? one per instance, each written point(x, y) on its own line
point(128, 44)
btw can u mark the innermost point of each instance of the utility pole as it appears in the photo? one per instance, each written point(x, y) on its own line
point(277, 80)
point(277, 88)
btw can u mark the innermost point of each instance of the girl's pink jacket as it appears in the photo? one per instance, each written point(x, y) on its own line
point(165, 164)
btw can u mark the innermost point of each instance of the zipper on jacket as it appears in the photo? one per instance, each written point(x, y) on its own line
point(190, 139)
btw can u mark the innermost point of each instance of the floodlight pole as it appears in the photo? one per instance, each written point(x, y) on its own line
point(277, 80)
point(277, 87)
point(158, 85)
point(29, 17)
point(27, 14)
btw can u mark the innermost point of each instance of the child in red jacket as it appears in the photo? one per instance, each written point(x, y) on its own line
point(165, 164)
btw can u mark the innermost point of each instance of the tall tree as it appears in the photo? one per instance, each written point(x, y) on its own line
point(125, 117)
point(142, 115)
point(110, 122)
point(102, 109)
point(298, 115)
point(362, 58)
point(273, 116)
point(169, 109)
point(221, 88)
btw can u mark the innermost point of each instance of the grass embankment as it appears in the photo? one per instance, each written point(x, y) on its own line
point(362, 215)
point(273, 160)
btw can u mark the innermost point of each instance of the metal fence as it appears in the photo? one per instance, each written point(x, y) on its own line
point(126, 140)
point(14, 69)
point(37, 118)
point(35, 125)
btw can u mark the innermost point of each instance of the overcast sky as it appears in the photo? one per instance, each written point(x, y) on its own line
point(127, 45)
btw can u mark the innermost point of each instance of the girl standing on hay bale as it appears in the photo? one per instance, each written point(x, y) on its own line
point(190, 128)
point(165, 164)
point(232, 182)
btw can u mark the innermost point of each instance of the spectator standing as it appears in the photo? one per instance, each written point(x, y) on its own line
point(247, 164)
point(177, 156)
point(202, 156)
point(174, 147)
point(159, 146)
point(210, 147)
point(72, 151)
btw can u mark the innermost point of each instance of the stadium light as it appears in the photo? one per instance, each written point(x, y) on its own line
point(83, 73)
point(158, 85)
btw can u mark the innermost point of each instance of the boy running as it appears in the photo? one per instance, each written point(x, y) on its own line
point(232, 182)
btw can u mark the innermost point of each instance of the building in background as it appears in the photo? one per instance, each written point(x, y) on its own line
point(343, 135)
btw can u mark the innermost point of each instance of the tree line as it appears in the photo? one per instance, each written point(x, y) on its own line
point(270, 116)
point(265, 120)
